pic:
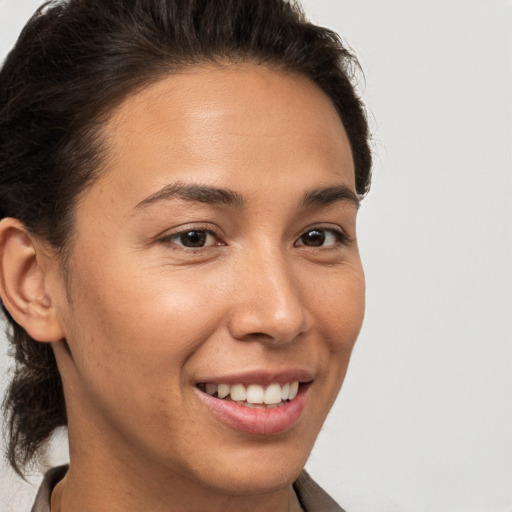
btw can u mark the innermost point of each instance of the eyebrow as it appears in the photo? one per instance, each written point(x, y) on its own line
point(328, 195)
point(213, 195)
point(194, 193)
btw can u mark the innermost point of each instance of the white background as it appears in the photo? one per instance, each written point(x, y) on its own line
point(424, 421)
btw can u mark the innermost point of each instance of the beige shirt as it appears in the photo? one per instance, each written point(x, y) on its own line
point(308, 496)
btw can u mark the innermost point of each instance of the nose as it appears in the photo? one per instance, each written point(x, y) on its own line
point(269, 305)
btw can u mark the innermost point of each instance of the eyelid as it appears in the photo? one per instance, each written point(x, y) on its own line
point(168, 236)
point(339, 233)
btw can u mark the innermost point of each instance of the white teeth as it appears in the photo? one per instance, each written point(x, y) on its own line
point(211, 388)
point(238, 392)
point(273, 394)
point(224, 390)
point(294, 388)
point(254, 394)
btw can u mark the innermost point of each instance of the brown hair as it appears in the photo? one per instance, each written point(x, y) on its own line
point(73, 63)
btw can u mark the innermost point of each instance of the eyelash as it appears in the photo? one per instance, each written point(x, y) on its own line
point(170, 239)
point(340, 238)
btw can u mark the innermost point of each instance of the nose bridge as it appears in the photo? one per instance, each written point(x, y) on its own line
point(269, 302)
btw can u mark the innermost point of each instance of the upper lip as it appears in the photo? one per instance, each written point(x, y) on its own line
point(261, 377)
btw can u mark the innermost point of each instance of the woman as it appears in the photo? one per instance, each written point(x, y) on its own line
point(179, 184)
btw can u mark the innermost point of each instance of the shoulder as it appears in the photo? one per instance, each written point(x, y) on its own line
point(312, 497)
point(51, 479)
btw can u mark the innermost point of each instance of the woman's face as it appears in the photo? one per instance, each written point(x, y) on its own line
point(215, 254)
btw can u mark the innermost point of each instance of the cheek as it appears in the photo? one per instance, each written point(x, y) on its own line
point(339, 311)
point(133, 330)
point(131, 337)
point(340, 307)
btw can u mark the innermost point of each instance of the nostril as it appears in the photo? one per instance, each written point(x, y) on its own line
point(257, 336)
point(260, 335)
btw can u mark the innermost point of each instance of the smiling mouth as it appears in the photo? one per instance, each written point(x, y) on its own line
point(253, 396)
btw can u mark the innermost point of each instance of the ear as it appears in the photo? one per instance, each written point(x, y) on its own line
point(22, 283)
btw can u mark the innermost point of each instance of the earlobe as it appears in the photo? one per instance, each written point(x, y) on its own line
point(22, 283)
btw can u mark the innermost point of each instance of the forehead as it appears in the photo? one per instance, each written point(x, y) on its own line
point(244, 126)
point(266, 96)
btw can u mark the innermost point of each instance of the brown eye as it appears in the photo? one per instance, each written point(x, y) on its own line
point(314, 238)
point(193, 238)
point(320, 238)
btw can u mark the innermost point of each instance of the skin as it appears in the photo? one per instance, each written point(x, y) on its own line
point(141, 319)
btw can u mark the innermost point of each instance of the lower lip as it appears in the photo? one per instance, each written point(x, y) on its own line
point(261, 421)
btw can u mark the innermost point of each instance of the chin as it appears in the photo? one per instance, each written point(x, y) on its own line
point(254, 481)
point(259, 470)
